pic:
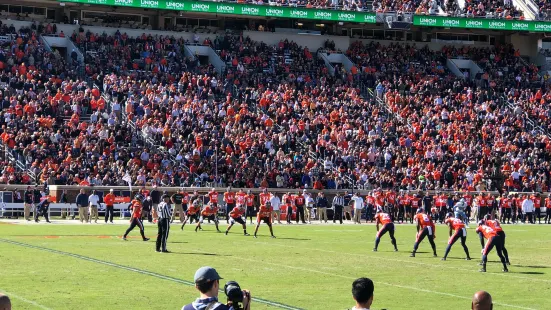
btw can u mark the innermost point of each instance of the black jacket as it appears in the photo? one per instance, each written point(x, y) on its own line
point(322, 202)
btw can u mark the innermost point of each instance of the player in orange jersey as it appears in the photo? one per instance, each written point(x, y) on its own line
point(136, 217)
point(458, 226)
point(229, 199)
point(264, 214)
point(249, 200)
point(193, 213)
point(506, 203)
point(415, 203)
point(388, 226)
point(403, 202)
point(485, 231)
point(425, 228)
point(208, 213)
point(497, 227)
point(236, 215)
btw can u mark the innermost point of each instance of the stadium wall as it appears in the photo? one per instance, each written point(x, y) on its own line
point(526, 44)
point(435, 46)
point(68, 29)
point(313, 42)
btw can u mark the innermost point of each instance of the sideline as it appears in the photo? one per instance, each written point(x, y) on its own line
point(141, 271)
point(25, 300)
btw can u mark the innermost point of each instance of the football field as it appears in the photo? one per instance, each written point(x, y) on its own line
point(89, 266)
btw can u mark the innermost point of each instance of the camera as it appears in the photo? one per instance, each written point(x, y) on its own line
point(234, 294)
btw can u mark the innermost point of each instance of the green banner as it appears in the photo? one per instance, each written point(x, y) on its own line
point(477, 23)
point(241, 9)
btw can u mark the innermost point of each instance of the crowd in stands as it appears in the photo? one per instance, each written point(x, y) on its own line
point(462, 128)
point(544, 9)
point(160, 58)
point(348, 5)
point(500, 9)
point(403, 6)
point(166, 119)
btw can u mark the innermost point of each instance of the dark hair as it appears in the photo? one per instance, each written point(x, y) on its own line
point(205, 286)
point(362, 290)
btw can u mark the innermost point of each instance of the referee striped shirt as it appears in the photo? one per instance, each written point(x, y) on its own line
point(164, 210)
point(338, 201)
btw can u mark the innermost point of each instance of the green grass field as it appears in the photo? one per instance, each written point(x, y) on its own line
point(306, 267)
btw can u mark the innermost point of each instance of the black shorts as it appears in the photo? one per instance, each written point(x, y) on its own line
point(266, 220)
point(184, 207)
point(401, 209)
point(408, 209)
point(238, 220)
point(230, 206)
point(194, 217)
point(211, 217)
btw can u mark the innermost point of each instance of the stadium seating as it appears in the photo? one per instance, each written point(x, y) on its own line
point(399, 118)
point(348, 5)
point(544, 9)
point(491, 9)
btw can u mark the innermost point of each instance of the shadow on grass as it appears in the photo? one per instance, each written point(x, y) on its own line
point(202, 254)
point(300, 239)
point(177, 242)
point(534, 267)
point(526, 272)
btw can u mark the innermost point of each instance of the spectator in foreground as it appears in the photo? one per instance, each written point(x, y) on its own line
point(482, 300)
point(207, 281)
point(5, 303)
point(362, 291)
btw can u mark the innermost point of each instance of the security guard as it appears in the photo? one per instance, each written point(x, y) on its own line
point(164, 210)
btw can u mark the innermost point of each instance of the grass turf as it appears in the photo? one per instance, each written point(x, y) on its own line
point(306, 267)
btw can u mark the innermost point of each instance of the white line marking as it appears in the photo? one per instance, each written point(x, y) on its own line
point(149, 273)
point(12, 295)
point(508, 275)
point(340, 230)
point(378, 282)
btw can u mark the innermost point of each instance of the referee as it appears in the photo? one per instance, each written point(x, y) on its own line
point(164, 211)
point(338, 203)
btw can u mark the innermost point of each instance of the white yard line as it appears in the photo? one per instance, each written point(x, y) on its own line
point(137, 270)
point(25, 300)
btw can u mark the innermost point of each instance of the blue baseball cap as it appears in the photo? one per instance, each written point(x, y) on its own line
point(205, 274)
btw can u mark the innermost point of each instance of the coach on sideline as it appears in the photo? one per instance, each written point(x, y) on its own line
point(163, 224)
point(207, 282)
point(82, 203)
